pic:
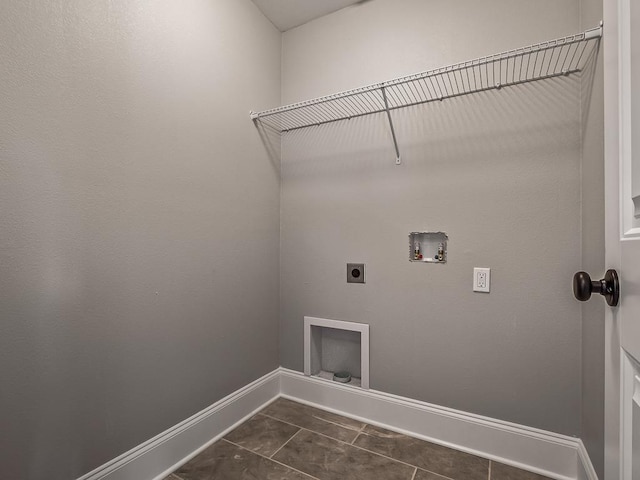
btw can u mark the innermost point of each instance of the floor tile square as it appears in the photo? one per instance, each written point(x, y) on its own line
point(425, 455)
point(263, 435)
point(329, 459)
point(225, 461)
point(326, 423)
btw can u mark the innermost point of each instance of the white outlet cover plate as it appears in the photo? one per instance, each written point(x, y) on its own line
point(478, 284)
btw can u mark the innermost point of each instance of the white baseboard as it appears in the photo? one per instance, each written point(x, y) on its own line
point(586, 471)
point(162, 454)
point(546, 453)
point(550, 454)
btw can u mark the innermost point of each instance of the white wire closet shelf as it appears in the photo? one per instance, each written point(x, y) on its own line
point(553, 58)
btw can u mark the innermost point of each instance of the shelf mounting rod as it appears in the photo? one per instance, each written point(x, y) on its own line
point(393, 130)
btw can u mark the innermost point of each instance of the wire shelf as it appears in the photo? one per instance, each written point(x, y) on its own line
point(563, 56)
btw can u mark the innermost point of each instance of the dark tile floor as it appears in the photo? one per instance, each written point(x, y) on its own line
point(291, 441)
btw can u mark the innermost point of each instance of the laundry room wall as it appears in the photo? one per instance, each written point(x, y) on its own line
point(498, 171)
point(137, 197)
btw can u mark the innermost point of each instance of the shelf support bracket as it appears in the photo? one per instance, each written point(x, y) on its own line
point(393, 130)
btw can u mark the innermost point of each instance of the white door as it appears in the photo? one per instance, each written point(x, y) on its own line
point(622, 192)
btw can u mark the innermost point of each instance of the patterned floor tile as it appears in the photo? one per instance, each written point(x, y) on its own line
point(326, 423)
point(263, 435)
point(225, 461)
point(329, 459)
point(425, 455)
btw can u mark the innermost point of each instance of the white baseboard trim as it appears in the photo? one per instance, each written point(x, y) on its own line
point(549, 454)
point(546, 453)
point(586, 471)
point(162, 454)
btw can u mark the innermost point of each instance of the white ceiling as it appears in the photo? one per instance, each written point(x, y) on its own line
point(286, 14)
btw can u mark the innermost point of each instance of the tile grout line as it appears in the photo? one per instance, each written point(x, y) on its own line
point(489, 477)
point(385, 456)
point(282, 446)
point(354, 446)
point(272, 460)
point(338, 424)
point(359, 433)
point(415, 472)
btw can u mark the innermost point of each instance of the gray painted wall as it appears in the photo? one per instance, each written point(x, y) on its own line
point(140, 222)
point(139, 240)
point(592, 417)
point(499, 172)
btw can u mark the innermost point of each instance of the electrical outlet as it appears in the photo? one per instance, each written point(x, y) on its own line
point(482, 280)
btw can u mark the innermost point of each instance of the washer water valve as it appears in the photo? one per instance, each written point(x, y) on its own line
point(428, 247)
